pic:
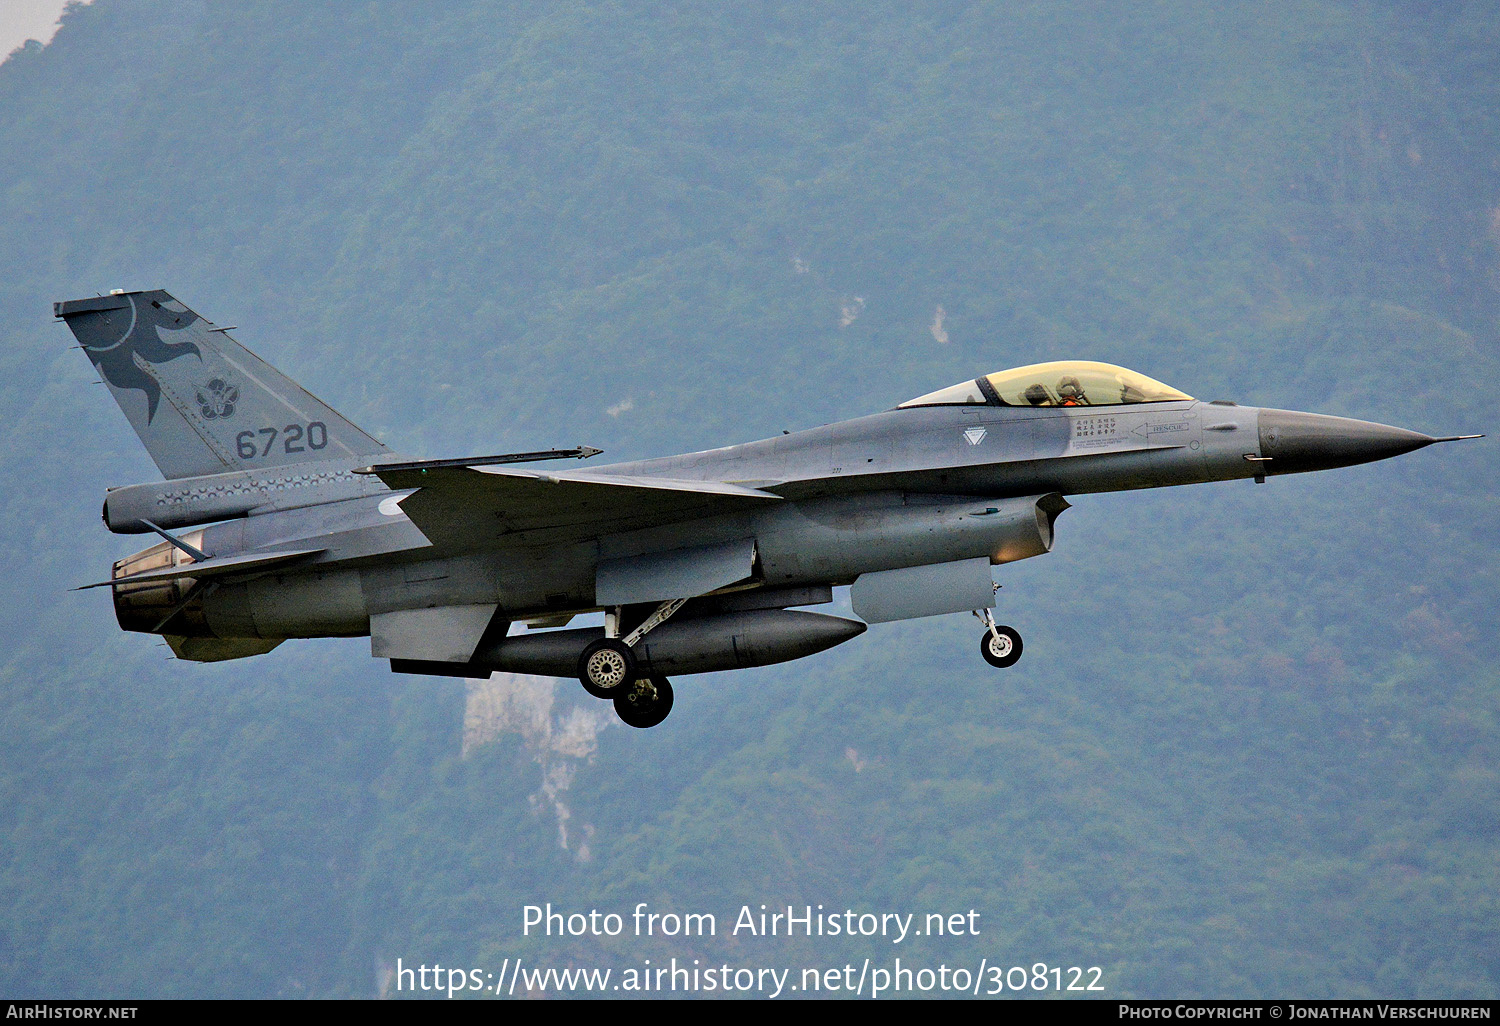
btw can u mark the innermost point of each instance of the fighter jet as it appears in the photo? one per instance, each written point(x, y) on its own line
point(290, 522)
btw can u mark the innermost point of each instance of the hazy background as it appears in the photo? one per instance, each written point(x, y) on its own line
point(22, 20)
point(1250, 749)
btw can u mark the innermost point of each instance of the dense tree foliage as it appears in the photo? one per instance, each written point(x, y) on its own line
point(1251, 746)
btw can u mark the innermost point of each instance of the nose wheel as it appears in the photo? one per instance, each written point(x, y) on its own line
point(1000, 645)
point(645, 702)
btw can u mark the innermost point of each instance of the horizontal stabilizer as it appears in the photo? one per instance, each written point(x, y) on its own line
point(217, 567)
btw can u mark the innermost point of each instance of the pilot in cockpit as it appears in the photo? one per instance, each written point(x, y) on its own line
point(1070, 392)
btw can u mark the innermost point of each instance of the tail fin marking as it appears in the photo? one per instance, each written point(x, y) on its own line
point(225, 409)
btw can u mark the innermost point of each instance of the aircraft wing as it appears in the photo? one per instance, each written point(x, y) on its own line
point(462, 504)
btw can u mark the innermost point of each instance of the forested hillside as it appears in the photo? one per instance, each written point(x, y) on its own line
point(1251, 746)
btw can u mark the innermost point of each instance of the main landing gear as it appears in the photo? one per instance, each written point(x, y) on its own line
point(1000, 645)
point(607, 669)
point(645, 702)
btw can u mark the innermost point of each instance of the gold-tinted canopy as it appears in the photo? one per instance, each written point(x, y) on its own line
point(1060, 383)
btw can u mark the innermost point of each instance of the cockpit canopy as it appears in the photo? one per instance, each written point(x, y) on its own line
point(1061, 383)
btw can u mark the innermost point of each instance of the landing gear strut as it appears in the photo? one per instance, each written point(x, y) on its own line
point(1000, 645)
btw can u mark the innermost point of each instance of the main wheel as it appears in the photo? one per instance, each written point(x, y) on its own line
point(1001, 647)
point(645, 702)
point(606, 668)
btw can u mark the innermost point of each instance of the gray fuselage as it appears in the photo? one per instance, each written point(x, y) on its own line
point(891, 490)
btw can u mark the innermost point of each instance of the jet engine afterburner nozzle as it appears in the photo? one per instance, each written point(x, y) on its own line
point(146, 606)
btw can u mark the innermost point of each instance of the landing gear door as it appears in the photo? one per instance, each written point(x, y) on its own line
point(678, 573)
point(930, 590)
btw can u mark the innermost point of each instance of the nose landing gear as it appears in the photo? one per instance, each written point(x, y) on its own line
point(1000, 645)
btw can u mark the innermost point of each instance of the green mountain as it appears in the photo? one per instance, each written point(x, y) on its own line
point(1250, 749)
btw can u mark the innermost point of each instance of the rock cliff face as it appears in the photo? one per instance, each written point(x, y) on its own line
point(558, 734)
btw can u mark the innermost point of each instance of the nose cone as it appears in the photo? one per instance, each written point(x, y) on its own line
point(1297, 442)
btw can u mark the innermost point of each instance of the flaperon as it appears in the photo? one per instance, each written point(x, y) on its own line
point(317, 529)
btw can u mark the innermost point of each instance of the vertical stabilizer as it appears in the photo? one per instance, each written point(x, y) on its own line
point(201, 402)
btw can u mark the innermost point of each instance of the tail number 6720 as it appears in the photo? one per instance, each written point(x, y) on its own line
point(294, 438)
